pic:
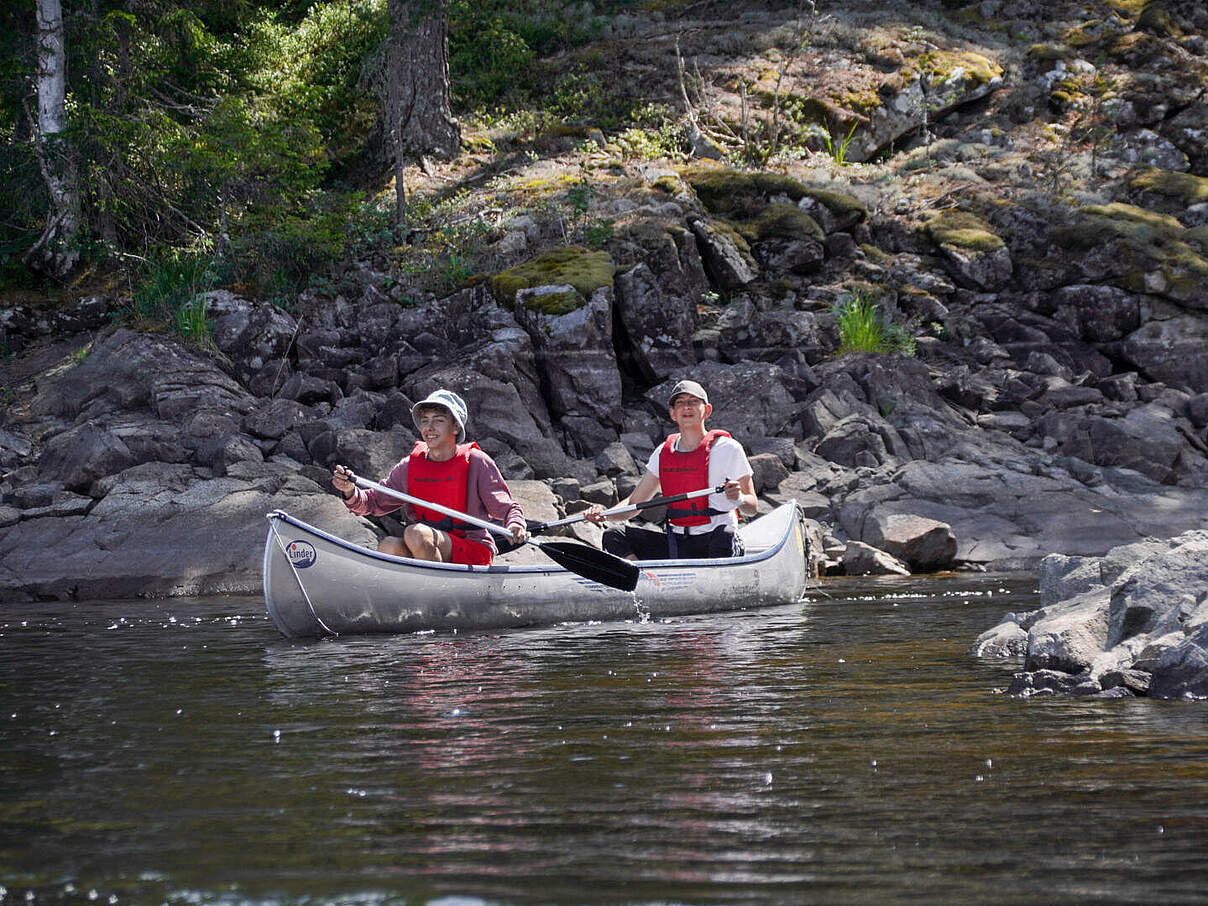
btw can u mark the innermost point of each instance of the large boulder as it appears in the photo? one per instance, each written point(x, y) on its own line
point(1171, 350)
point(925, 545)
point(658, 325)
point(1136, 624)
point(128, 370)
point(162, 530)
point(860, 559)
point(572, 336)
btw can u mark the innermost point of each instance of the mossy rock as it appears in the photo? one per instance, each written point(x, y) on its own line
point(963, 230)
point(1137, 49)
point(1198, 237)
point(1042, 54)
point(1087, 34)
point(732, 193)
point(1137, 227)
point(732, 232)
point(1184, 187)
point(573, 265)
point(941, 64)
point(782, 221)
point(1144, 243)
point(875, 254)
point(669, 183)
point(845, 207)
point(1155, 19)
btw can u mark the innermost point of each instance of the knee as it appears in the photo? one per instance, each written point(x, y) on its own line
point(419, 538)
point(393, 546)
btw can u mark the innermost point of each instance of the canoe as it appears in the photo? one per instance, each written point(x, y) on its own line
point(316, 584)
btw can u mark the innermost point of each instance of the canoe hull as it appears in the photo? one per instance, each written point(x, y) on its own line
point(316, 584)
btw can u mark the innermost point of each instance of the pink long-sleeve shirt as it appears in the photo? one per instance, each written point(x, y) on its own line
point(488, 498)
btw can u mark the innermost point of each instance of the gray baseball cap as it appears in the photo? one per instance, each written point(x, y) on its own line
point(447, 400)
point(691, 388)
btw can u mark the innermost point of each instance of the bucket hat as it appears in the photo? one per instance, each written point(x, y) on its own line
point(447, 400)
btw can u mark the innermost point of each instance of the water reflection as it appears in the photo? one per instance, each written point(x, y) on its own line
point(842, 750)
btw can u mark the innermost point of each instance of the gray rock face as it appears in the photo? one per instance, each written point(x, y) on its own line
point(1137, 623)
point(659, 326)
point(749, 399)
point(925, 545)
point(726, 259)
point(576, 356)
point(860, 559)
point(1171, 351)
point(163, 530)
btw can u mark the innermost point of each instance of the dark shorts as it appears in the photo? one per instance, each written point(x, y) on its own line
point(652, 544)
point(471, 553)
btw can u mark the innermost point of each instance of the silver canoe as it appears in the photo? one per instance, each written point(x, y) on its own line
point(316, 584)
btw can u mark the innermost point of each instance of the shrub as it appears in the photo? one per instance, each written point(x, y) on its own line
point(167, 291)
point(865, 327)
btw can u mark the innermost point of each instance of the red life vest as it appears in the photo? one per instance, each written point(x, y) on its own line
point(446, 483)
point(680, 473)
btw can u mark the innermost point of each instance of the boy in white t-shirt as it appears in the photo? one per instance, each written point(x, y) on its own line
point(693, 459)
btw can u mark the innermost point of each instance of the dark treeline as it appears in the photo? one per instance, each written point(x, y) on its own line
point(214, 142)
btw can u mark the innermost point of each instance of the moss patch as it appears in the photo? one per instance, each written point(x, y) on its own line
point(1155, 19)
point(1139, 228)
point(1049, 53)
point(783, 221)
point(940, 65)
point(732, 193)
point(1185, 187)
point(1198, 237)
point(842, 205)
point(672, 185)
point(963, 230)
point(582, 268)
point(1144, 243)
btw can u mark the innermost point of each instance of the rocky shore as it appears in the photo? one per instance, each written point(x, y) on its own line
point(1132, 623)
point(1057, 401)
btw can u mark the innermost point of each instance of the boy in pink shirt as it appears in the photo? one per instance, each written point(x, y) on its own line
point(440, 470)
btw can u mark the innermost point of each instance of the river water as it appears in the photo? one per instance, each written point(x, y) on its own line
point(842, 750)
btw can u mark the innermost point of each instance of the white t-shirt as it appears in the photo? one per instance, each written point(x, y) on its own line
point(726, 460)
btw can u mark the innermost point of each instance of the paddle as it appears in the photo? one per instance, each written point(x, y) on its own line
point(588, 562)
point(538, 527)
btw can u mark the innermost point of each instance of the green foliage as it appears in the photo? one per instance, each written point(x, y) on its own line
point(597, 232)
point(278, 253)
point(865, 327)
point(320, 64)
point(194, 121)
point(167, 291)
point(494, 46)
point(839, 151)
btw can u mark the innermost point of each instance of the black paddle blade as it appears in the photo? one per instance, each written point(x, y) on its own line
point(590, 563)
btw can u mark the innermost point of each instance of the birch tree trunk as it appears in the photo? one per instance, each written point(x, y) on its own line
point(57, 251)
point(418, 117)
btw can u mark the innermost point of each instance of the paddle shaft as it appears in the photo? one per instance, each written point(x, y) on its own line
point(632, 507)
point(366, 484)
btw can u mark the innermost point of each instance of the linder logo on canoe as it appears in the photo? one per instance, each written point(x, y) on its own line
point(301, 554)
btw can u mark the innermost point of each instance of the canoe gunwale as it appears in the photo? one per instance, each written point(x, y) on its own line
point(362, 590)
point(745, 559)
